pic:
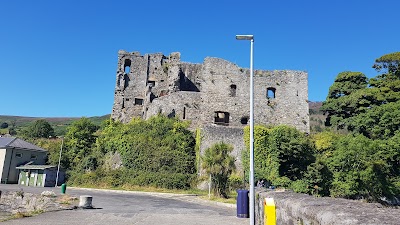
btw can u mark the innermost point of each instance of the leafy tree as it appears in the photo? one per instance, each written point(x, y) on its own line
point(353, 105)
point(389, 81)
point(219, 164)
point(281, 154)
point(389, 62)
point(318, 178)
point(295, 150)
point(3, 125)
point(157, 152)
point(38, 129)
point(12, 131)
point(53, 145)
point(339, 103)
point(378, 122)
point(266, 159)
point(361, 169)
point(79, 140)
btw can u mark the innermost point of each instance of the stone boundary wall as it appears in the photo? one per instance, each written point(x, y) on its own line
point(294, 208)
point(212, 134)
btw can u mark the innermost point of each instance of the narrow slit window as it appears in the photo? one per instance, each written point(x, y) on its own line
point(184, 113)
point(233, 91)
point(271, 93)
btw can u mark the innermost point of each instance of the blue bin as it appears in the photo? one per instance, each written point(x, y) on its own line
point(242, 204)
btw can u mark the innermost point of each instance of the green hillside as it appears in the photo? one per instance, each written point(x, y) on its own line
point(59, 124)
point(317, 118)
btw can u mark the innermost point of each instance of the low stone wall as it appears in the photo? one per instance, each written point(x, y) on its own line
point(302, 209)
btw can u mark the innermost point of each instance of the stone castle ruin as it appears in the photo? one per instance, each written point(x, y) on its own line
point(213, 95)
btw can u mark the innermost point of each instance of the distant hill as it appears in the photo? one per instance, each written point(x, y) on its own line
point(317, 118)
point(59, 123)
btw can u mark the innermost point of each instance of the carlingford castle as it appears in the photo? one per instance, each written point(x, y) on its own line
point(213, 95)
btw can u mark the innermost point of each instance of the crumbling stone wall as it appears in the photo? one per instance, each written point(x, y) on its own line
point(212, 134)
point(293, 208)
point(154, 83)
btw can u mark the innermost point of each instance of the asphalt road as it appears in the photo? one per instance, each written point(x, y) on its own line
point(117, 208)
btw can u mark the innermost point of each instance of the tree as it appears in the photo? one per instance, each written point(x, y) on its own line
point(363, 168)
point(389, 81)
point(38, 129)
point(353, 105)
point(157, 152)
point(339, 103)
point(219, 164)
point(266, 159)
point(79, 141)
point(281, 154)
point(389, 62)
point(3, 125)
point(378, 122)
point(53, 146)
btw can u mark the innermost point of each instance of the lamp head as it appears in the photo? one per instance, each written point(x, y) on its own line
point(245, 37)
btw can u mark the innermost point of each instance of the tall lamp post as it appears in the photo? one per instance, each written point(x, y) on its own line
point(251, 39)
point(59, 161)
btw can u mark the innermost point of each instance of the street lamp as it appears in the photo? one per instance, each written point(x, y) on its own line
point(251, 39)
point(59, 160)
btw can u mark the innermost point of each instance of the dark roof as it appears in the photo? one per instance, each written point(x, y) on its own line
point(13, 142)
point(34, 167)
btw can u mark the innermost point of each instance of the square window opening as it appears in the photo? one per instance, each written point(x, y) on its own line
point(221, 118)
point(138, 101)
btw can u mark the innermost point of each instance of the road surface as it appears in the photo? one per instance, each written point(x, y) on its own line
point(117, 208)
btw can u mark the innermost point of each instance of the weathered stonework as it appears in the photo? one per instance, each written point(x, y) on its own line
point(293, 208)
point(213, 95)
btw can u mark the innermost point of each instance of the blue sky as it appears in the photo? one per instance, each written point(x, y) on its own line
point(59, 58)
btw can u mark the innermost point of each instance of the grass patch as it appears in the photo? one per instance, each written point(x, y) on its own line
point(19, 215)
point(127, 187)
point(66, 200)
point(203, 194)
point(230, 200)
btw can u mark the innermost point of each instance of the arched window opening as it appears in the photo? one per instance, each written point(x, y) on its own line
point(221, 118)
point(233, 91)
point(271, 93)
point(127, 66)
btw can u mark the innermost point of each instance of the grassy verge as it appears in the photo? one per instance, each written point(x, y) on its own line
point(19, 215)
point(200, 193)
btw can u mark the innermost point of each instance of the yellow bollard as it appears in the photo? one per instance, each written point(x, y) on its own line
point(269, 212)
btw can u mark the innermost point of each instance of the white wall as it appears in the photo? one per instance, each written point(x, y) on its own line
point(2, 159)
point(11, 171)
